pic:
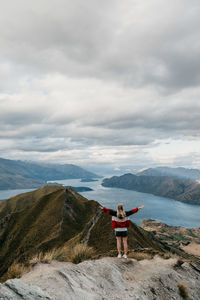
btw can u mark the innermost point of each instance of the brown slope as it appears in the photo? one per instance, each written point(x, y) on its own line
point(103, 240)
point(22, 201)
point(52, 217)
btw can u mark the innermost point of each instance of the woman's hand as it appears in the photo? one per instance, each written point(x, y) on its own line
point(140, 207)
point(101, 207)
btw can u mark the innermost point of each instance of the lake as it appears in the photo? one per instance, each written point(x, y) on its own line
point(157, 208)
point(5, 194)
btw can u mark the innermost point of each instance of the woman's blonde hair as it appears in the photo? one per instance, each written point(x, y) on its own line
point(120, 211)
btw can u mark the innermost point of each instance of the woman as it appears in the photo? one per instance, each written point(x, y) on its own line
point(120, 222)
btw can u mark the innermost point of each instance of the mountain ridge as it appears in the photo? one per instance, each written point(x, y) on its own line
point(181, 190)
point(16, 174)
point(53, 217)
point(179, 172)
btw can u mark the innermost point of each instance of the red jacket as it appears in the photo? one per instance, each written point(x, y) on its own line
point(117, 222)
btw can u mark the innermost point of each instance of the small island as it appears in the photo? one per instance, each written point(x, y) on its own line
point(88, 180)
point(80, 189)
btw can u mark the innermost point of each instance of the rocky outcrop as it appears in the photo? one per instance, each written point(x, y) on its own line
point(15, 289)
point(107, 278)
point(174, 188)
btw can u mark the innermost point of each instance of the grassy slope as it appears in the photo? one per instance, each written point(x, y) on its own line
point(27, 229)
point(24, 200)
point(103, 240)
point(53, 217)
point(40, 220)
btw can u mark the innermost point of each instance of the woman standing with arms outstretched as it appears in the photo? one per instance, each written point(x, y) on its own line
point(120, 222)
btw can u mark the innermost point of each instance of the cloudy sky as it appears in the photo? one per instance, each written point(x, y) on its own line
point(100, 83)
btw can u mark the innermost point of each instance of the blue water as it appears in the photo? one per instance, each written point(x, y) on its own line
point(5, 194)
point(166, 210)
point(157, 208)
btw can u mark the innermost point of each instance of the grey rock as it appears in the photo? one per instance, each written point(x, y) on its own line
point(107, 278)
point(15, 289)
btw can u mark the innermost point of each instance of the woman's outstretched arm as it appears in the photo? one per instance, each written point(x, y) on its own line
point(108, 211)
point(133, 211)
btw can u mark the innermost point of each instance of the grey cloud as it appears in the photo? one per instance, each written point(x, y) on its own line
point(46, 144)
point(20, 118)
point(55, 37)
point(140, 58)
point(174, 120)
point(128, 43)
point(189, 160)
point(168, 119)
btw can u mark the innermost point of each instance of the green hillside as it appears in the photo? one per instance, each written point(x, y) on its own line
point(53, 217)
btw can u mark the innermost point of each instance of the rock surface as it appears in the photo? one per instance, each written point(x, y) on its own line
point(15, 289)
point(106, 278)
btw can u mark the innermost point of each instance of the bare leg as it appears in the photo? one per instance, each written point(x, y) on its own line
point(125, 245)
point(119, 244)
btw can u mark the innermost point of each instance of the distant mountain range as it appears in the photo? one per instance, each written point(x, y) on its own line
point(181, 190)
point(181, 173)
point(16, 174)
